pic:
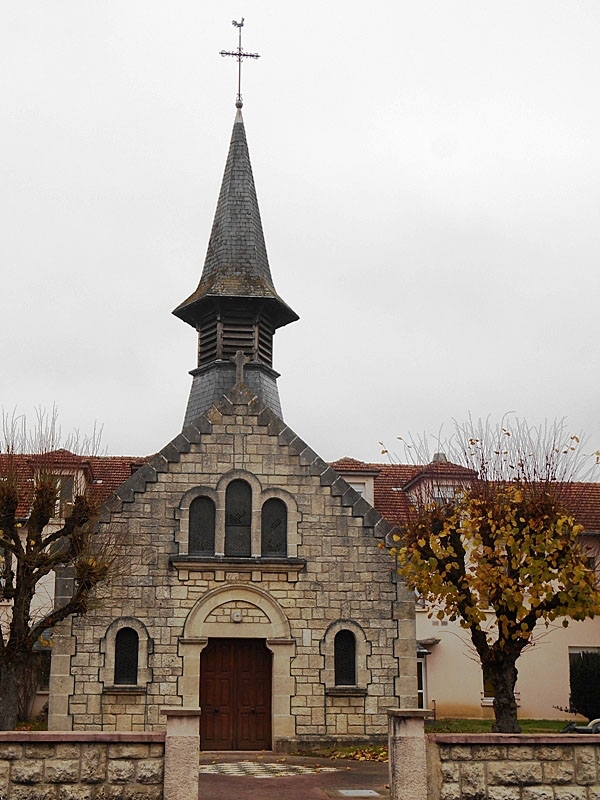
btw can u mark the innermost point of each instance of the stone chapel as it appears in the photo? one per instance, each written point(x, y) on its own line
point(255, 587)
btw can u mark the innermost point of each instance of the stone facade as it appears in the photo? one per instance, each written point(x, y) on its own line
point(334, 577)
point(40, 766)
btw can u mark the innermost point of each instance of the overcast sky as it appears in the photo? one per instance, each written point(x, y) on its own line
point(428, 174)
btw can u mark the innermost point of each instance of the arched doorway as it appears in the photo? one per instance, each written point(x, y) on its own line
point(235, 695)
point(245, 627)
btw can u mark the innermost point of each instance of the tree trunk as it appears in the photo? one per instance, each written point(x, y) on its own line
point(10, 690)
point(503, 676)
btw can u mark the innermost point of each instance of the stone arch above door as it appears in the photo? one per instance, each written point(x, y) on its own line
point(240, 612)
point(201, 622)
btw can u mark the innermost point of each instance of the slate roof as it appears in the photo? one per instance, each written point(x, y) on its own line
point(236, 264)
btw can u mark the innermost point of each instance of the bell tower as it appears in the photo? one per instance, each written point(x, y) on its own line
point(235, 306)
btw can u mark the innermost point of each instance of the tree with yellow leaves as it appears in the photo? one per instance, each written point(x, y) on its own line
point(504, 554)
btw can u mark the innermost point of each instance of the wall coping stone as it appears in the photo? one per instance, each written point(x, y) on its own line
point(513, 738)
point(179, 711)
point(410, 713)
point(72, 737)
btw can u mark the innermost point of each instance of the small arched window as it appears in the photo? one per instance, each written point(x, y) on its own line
point(344, 658)
point(126, 657)
point(274, 528)
point(202, 527)
point(238, 519)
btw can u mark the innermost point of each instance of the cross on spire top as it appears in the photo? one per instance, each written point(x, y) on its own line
point(239, 54)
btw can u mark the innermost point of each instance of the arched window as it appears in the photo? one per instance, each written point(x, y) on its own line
point(202, 527)
point(274, 528)
point(126, 657)
point(344, 658)
point(238, 519)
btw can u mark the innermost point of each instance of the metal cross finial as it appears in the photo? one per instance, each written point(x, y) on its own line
point(240, 361)
point(239, 54)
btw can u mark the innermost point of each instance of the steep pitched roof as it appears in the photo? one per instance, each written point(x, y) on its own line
point(347, 464)
point(393, 482)
point(236, 263)
point(583, 500)
point(390, 500)
point(103, 474)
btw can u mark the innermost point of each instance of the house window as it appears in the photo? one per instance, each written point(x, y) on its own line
point(202, 527)
point(421, 683)
point(344, 658)
point(576, 652)
point(488, 694)
point(43, 658)
point(274, 528)
point(238, 519)
point(488, 689)
point(358, 487)
point(65, 495)
point(443, 494)
point(126, 657)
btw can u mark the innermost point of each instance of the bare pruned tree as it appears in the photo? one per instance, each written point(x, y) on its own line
point(42, 529)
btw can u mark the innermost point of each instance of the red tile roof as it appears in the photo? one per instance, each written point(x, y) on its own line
point(103, 474)
point(392, 482)
point(347, 464)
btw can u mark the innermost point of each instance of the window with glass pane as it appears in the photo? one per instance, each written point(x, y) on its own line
point(238, 519)
point(202, 527)
point(344, 656)
point(420, 683)
point(274, 528)
point(126, 657)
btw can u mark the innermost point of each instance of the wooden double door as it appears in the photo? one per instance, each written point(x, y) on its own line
point(235, 695)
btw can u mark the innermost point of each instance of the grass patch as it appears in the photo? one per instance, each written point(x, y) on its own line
point(455, 725)
point(485, 725)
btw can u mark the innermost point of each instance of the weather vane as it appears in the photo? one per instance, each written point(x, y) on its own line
point(239, 54)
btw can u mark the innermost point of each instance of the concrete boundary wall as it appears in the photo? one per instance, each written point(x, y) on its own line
point(81, 766)
point(489, 766)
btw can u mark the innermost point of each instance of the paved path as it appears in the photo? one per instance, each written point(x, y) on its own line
point(262, 776)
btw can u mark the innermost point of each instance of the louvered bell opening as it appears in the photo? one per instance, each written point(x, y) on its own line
point(265, 340)
point(238, 326)
point(222, 333)
point(248, 331)
point(207, 338)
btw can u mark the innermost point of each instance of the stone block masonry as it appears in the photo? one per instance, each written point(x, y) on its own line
point(81, 766)
point(489, 766)
point(508, 767)
point(332, 577)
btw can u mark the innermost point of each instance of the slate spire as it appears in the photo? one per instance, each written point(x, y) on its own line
point(235, 306)
point(236, 263)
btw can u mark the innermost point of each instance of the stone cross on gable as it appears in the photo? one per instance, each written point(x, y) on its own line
point(240, 360)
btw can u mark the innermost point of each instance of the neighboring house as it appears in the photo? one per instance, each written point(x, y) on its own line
point(449, 675)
